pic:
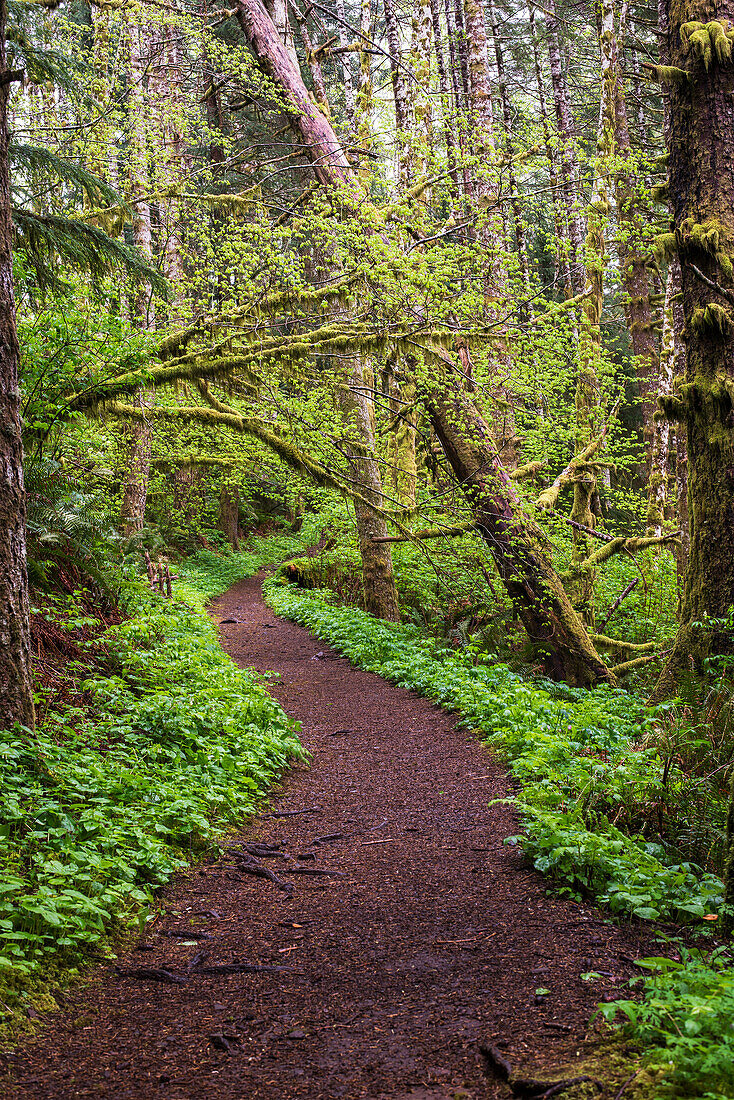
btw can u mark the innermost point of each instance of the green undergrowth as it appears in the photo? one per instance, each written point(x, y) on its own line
point(106, 800)
point(682, 1022)
point(584, 779)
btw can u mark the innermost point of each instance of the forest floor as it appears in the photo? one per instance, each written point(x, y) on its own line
point(428, 938)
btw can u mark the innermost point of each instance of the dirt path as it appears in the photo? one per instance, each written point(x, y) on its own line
point(435, 937)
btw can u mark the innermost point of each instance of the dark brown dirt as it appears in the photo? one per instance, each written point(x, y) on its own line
point(436, 937)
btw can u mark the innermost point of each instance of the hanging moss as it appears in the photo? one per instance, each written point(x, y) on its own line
point(708, 40)
point(712, 319)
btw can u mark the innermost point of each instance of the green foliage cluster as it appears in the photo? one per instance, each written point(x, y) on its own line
point(684, 1022)
point(104, 802)
point(576, 754)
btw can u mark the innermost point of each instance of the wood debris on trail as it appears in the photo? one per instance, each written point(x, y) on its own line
point(417, 943)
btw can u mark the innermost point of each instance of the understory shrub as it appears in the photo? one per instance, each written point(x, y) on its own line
point(576, 754)
point(683, 1022)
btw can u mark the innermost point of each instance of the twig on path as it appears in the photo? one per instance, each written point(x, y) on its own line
point(386, 840)
point(627, 1082)
point(248, 866)
point(196, 960)
point(294, 813)
point(151, 973)
point(314, 871)
point(244, 968)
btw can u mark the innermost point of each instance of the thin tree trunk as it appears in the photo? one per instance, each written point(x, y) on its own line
point(16, 693)
point(660, 449)
point(380, 593)
point(562, 253)
point(588, 402)
point(633, 269)
point(517, 218)
point(346, 64)
point(403, 116)
point(229, 515)
point(135, 487)
point(569, 160)
point(445, 91)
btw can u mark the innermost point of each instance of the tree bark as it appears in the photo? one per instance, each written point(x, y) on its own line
point(701, 186)
point(139, 432)
point(569, 160)
point(16, 694)
point(563, 272)
point(516, 544)
point(229, 513)
point(633, 269)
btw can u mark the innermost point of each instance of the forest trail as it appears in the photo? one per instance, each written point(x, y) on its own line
point(431, 937)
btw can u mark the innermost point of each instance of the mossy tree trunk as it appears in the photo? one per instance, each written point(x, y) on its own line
point(701, 186)
point(518, 547)
point(229, 514)
point(139, 432)
point(378, 578)
point(16, 697)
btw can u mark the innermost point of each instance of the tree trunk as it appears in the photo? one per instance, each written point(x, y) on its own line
point(229, 515)
point(701, 170)
point(135, 488)
point(16, 695)
point(517, 545)
point(403, 117)
point(346, 64)
point(660, 447)
point(445, 92)
point(588, 402)
point(517, 217)
point(633, 269)
point(569, 160)
point(563, 268)
point(380, 593)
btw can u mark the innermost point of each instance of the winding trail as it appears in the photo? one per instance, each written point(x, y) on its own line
point(433, 937)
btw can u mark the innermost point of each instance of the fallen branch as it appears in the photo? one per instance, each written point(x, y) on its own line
point(243, 968)
point(628, 666)
point(616, 546)
point(617, 643)
point(622, 596)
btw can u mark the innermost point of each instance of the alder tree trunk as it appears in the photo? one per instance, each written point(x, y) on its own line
point(348, 81)
point(401, 99)
point(229, 515)
point(569, 160)
point(139, 432)
point(661, 429)
point(633, 269)
point(563, 268)
point(701, 187)
point(378, 578)
point(518, 547)
point(588, 395)
point(515, 203)
point(445, 93)
point(16, 694)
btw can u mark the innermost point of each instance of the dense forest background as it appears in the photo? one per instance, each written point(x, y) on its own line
point(441, 290)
